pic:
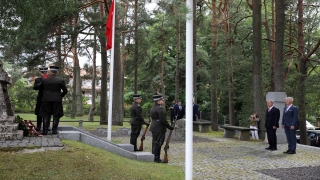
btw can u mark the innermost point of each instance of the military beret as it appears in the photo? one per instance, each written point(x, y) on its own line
point(157, 97)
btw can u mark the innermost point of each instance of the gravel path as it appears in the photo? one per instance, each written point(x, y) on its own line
point(224, 158)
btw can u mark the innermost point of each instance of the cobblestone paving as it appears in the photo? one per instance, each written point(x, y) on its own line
point(46, 141)
point(223, 158)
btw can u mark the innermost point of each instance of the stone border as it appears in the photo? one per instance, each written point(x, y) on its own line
point(125, 150)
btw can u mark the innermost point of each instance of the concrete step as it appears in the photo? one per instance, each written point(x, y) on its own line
point(8, 119)
point(11, 136)
point(9, 128)
point(144, 156)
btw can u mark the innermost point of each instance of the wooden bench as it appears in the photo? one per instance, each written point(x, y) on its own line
point(202, 126)
point(244, 132)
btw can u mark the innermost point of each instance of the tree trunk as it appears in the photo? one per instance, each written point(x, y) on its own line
point(194, 51)
point(230, 84)
point(257, 62)
point(58, 48)
point(104, 73)
point(214, 74)
point(93, 83)
point(136, 47)
point(177, 90)
point(271, 45)
point(162, 70)
point(117, 109)
point(279, 85)
point(302, 77)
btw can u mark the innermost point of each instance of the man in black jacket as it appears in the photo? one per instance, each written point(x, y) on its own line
point(36, 86)
point(158, 127)
point(174, 108)
point(181, 111)
point(52, 100)
point(136, 120)
point(271, 124)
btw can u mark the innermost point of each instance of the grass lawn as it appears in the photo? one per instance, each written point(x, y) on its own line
point(86, 125)
point(81, 161)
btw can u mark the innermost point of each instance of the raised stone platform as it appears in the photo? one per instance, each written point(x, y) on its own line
point(125, 150)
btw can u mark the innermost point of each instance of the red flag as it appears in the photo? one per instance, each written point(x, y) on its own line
point(109, 27)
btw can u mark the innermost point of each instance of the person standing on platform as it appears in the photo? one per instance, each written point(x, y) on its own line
point(36, 86)
point(290, 124)
point(271, 124)
point(54, 89)
point(158, 127)
point(195, 111)
point(174, 108)
point(181, 111)
point(136, 120)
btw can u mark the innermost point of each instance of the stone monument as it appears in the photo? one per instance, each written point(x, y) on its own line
point(9, 130)
point(279, 102)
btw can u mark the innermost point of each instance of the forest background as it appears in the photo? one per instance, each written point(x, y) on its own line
point(242, 50)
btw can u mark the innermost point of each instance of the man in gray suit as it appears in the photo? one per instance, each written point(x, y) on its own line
point(289, 123)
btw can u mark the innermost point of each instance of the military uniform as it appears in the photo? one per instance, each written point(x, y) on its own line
point(52, 100)
point(158, 127)
point(36, 86)
point(136, 122)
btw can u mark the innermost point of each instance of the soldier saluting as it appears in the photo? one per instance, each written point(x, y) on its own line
point(36, 86)
point(136, 120)
point(52, 100)
point(158, 127)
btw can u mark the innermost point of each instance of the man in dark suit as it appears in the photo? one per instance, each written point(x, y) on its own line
point(289, 123)
point(36, 86)
point(181, 111)
point(174, 111)
point(52, 100)
point(158, 127)
point(136, 120)
point(271, 124)
point(195, 111)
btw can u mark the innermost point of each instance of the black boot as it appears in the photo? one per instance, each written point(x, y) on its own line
point(55, 125)
point(39, 123)
point(46, 122)
point(157, 155)
point(133, 141)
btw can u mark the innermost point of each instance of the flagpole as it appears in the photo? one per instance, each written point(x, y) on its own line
point(111, 76)
point(189, 93)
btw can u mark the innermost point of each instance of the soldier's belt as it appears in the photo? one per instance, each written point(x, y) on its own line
point(52, 91)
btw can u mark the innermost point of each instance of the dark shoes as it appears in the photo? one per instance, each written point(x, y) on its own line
point(289, 152)
point(158, 160)
point(271, 148)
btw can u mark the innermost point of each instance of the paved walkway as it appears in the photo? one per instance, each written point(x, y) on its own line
point(223, 158)
point(46, 141)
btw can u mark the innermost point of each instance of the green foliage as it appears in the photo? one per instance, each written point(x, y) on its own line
point(23, 96)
